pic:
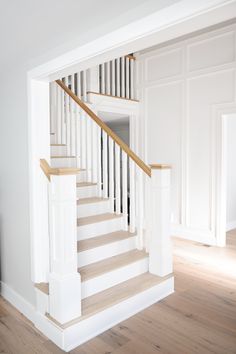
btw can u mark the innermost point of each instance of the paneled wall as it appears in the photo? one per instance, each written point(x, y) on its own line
point(183, 87)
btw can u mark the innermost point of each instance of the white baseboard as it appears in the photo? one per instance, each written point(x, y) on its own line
point(102, 321)
point(81, 332)
point(231, 226)
point(23, 306)
point(196, 235)
point(29, 311)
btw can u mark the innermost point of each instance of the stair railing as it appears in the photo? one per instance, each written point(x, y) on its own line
point(117, 77)
point(110, 159)
point(107, 161)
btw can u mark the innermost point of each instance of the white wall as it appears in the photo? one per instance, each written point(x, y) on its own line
point(181, 87)
point(231, 172)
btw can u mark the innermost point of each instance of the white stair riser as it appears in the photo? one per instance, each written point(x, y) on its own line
point(112, 249)
point(87, 192)
point(58, 150)
point(100, 228)
point(81, 176)
point(63, 162)
point(109, 279)
point(96, 208)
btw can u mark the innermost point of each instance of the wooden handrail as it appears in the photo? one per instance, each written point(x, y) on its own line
point(109, 132)
point(49, 171)
point(130, 56)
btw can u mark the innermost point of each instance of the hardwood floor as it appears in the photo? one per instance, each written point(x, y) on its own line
point(199, 318)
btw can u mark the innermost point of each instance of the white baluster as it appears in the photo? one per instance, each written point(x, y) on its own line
point(99, 160)
point(140, 209)
point(83, 140)
point(113, 77)
point(72, 107)
point(94, 153)
point(124, 190)
point(104, 165)
point(53, 107)
point(79, 84)
point(123, 77)
point(84, 85)
point(118, 77)
point(108, 78)
point(117, 179)
point(78, 137)
point(67, 104)
point(88, 149)
point(127, 60)
point(63, 117)
point(103, 85)
point(58, 116)
point(132, 196)
point(132, 78)
point(93, 79)
point(111, 175)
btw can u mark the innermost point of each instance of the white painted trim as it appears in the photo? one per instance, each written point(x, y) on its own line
point(140, 34)
point(15, 299)
point(197, 235)
point(231, 226)
point(81, 332)
point(102, 321)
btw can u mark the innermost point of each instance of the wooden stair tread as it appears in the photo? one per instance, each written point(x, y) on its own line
point(102, 240)
point(112, 96)
point(114, 295)
point(90, 200)
point(57, 144)
point(44, 287)
point(63, 157)
point(96, 269)
point(97, 218)
point(85, 184)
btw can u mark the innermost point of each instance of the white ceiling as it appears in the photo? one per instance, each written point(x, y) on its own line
point(33, 29)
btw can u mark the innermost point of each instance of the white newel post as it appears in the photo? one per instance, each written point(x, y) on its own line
point(64, 280)
point(160, 249)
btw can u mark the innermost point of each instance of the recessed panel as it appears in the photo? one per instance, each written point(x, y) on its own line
point(215, 51)
point(164, 65)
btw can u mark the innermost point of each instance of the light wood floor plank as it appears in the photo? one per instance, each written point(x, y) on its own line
point(199, 318)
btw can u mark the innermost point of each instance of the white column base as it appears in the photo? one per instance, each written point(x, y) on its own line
point(65, 297)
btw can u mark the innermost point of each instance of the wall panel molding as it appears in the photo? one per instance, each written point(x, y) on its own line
point(204, 88)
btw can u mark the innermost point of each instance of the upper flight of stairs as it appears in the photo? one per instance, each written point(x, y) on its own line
point(115, 282)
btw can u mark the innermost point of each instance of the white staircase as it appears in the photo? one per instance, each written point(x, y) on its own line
point(106, 277)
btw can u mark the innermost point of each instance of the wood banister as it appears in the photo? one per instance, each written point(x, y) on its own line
point(109, 132)
point(48, 170)
point(130, 56)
